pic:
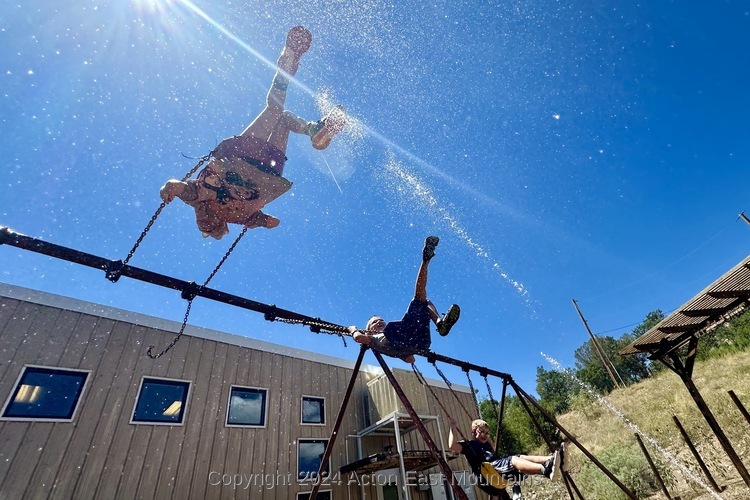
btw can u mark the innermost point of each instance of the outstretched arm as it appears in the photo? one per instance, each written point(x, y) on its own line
point(453, 443)
point(359, 336)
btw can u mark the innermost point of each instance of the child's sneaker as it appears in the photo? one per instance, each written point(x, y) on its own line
point(561, 452)
point(326, 128)
point(449, 319)
point(298, 40)
point(428, 251)
point(552, 468)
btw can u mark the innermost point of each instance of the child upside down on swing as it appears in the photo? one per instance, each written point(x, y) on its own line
point(221, 192)
point(411, 335)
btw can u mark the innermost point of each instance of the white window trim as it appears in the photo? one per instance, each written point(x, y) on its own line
point(325, 410)
point(265, 407)
point(138, 397)
point(42, 419)
point(307, 440)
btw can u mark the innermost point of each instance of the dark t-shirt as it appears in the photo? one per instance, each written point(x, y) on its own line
point(477, 452)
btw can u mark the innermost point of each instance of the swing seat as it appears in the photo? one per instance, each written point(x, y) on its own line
point(232, 191)
point(491, 477)
point(242, 182)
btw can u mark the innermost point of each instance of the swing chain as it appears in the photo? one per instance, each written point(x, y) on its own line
point(450, 388)
point(316, 326)
point(190, 293)
point(489, 391)
point(473, 393)
point(423, 381)
point(114, 270)
point(223, 259)
point(149, 352)
point(442, 375)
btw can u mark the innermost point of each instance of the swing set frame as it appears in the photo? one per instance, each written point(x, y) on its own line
point(190, 290)
point(527, 402)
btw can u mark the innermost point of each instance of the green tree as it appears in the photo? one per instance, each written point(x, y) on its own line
point(555, 390)
point(730, 337)
point(518, 433)
point(589, 368)
point(628, 369)
point(652, 319)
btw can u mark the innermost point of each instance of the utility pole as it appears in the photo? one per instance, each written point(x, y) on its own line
point(744, 217)
point(602, 355)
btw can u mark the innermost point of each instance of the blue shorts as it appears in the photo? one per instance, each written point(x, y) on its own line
point(504, 465)
point(413, 331)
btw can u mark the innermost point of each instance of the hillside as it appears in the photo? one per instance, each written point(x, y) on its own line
point(650, 405)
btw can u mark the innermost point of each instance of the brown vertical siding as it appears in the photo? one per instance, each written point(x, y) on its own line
point(113, 391)
point(102, 455)
point(69, 445)
point(42, 333)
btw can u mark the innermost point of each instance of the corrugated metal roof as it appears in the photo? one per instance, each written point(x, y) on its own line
point(720, 301)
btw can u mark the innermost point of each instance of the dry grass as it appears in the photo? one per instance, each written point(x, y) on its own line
point(651, 404)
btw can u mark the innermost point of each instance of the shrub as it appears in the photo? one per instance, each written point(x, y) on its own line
point(626, 461)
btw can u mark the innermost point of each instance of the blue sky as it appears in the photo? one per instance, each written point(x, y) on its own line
point(585, 150)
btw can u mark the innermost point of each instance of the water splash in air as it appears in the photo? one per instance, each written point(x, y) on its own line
point(421, 192)
point(630, 424)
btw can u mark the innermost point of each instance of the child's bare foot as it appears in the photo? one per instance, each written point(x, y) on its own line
point(171, 189)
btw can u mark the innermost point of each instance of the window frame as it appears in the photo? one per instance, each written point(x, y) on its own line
point(14, 391)
point(162, 379)
point(265, 407)
point(309, 478)
point(302, 414)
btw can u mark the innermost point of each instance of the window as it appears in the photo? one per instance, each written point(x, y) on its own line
point(322, 495)
point(247, 407)
point(309, 454)
point(313, 410)
point(43, 393)
point(161, 401)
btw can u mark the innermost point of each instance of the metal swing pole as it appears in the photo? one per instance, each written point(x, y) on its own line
point(541, 432)
point(520, 392)
point(500, 414)
point(447, 472)
point(339, 419)
point(271, 312)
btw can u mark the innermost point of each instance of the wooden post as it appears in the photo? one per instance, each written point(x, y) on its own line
point(602, 355)
point(718, 431)
point(738, 403)
point(702, 464)
point(653, 466)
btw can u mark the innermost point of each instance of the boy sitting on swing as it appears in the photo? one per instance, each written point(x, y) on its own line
point(479, 450)
point(246, 170)
point(411, 335)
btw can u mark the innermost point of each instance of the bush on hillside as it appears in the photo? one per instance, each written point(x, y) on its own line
point(627, 463)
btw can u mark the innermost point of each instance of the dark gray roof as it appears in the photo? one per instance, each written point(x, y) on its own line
point(720, 301)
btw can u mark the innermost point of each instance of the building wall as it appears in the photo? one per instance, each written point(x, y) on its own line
point(100, 454)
